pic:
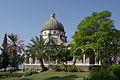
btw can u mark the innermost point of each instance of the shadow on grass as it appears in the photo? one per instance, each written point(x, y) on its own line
point(71, 77)
point(26, 79)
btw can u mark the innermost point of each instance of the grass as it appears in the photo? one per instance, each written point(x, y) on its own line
point(52, 76)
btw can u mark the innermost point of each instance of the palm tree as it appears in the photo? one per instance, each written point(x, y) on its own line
point(15, 48)
point(37, 48)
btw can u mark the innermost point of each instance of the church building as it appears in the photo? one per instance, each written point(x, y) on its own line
point(53, 30)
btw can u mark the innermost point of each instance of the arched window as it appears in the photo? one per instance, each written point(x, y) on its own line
point(54, 32)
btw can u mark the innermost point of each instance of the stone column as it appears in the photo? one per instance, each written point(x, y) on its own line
point(30, 60)
point(35, 60)
point(96, 57)
point(84, 60)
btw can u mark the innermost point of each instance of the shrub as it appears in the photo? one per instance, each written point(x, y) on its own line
point(28, 73)
point(17, 75)
point(108, 73)
point(101, 75)
point(69, 68)
point(79, 69)
point(56, 67)
point(34, 71)
point(63, 67)
point(114, 70)
point(72, 68)
point(2, 74)
point(8, 74)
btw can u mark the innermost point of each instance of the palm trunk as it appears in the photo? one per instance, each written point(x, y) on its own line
point(42, 65)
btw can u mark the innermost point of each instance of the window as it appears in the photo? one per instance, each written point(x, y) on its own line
point(62, 33)
point(54, 32)
point(44, 32)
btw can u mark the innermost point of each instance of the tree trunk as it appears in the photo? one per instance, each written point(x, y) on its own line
point(43, 68)
point(74, 61)
point(66, 62)
point(16, 68)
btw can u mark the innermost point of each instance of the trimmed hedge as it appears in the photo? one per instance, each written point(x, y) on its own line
point(72, 68)
point(56, 67)
point(68, 68)
point(8, 74)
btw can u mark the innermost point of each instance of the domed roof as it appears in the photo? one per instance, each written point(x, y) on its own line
point(52, 24)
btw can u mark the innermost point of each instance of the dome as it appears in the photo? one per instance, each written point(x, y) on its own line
point(52, 24)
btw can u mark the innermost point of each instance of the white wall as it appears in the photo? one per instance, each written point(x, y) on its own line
point(53, 34)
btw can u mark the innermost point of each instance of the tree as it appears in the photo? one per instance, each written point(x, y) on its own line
point(37, 48)
point(1, 62)
point(115, 45)
point(4, 54)
point(15, 49)
point(76, 52)
point(51, 50)
point(95, 33)
point(63, 54)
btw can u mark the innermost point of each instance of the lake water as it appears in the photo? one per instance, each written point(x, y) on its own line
point(20, 67)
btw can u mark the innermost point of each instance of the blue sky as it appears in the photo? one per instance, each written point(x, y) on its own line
point(26, 17)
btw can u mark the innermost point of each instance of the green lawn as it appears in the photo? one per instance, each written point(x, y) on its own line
point(53, 76)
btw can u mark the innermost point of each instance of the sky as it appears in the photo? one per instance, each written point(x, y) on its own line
point(26, 17)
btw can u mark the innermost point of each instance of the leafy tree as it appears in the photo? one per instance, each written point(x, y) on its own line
point(37, 48)
point(4, 54)
point(115, 45)
point(15, 49)
point(76, 52)
point(95, 33)
point(63, 54)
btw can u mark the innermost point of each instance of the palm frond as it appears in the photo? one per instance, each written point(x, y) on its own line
point(14, 44)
